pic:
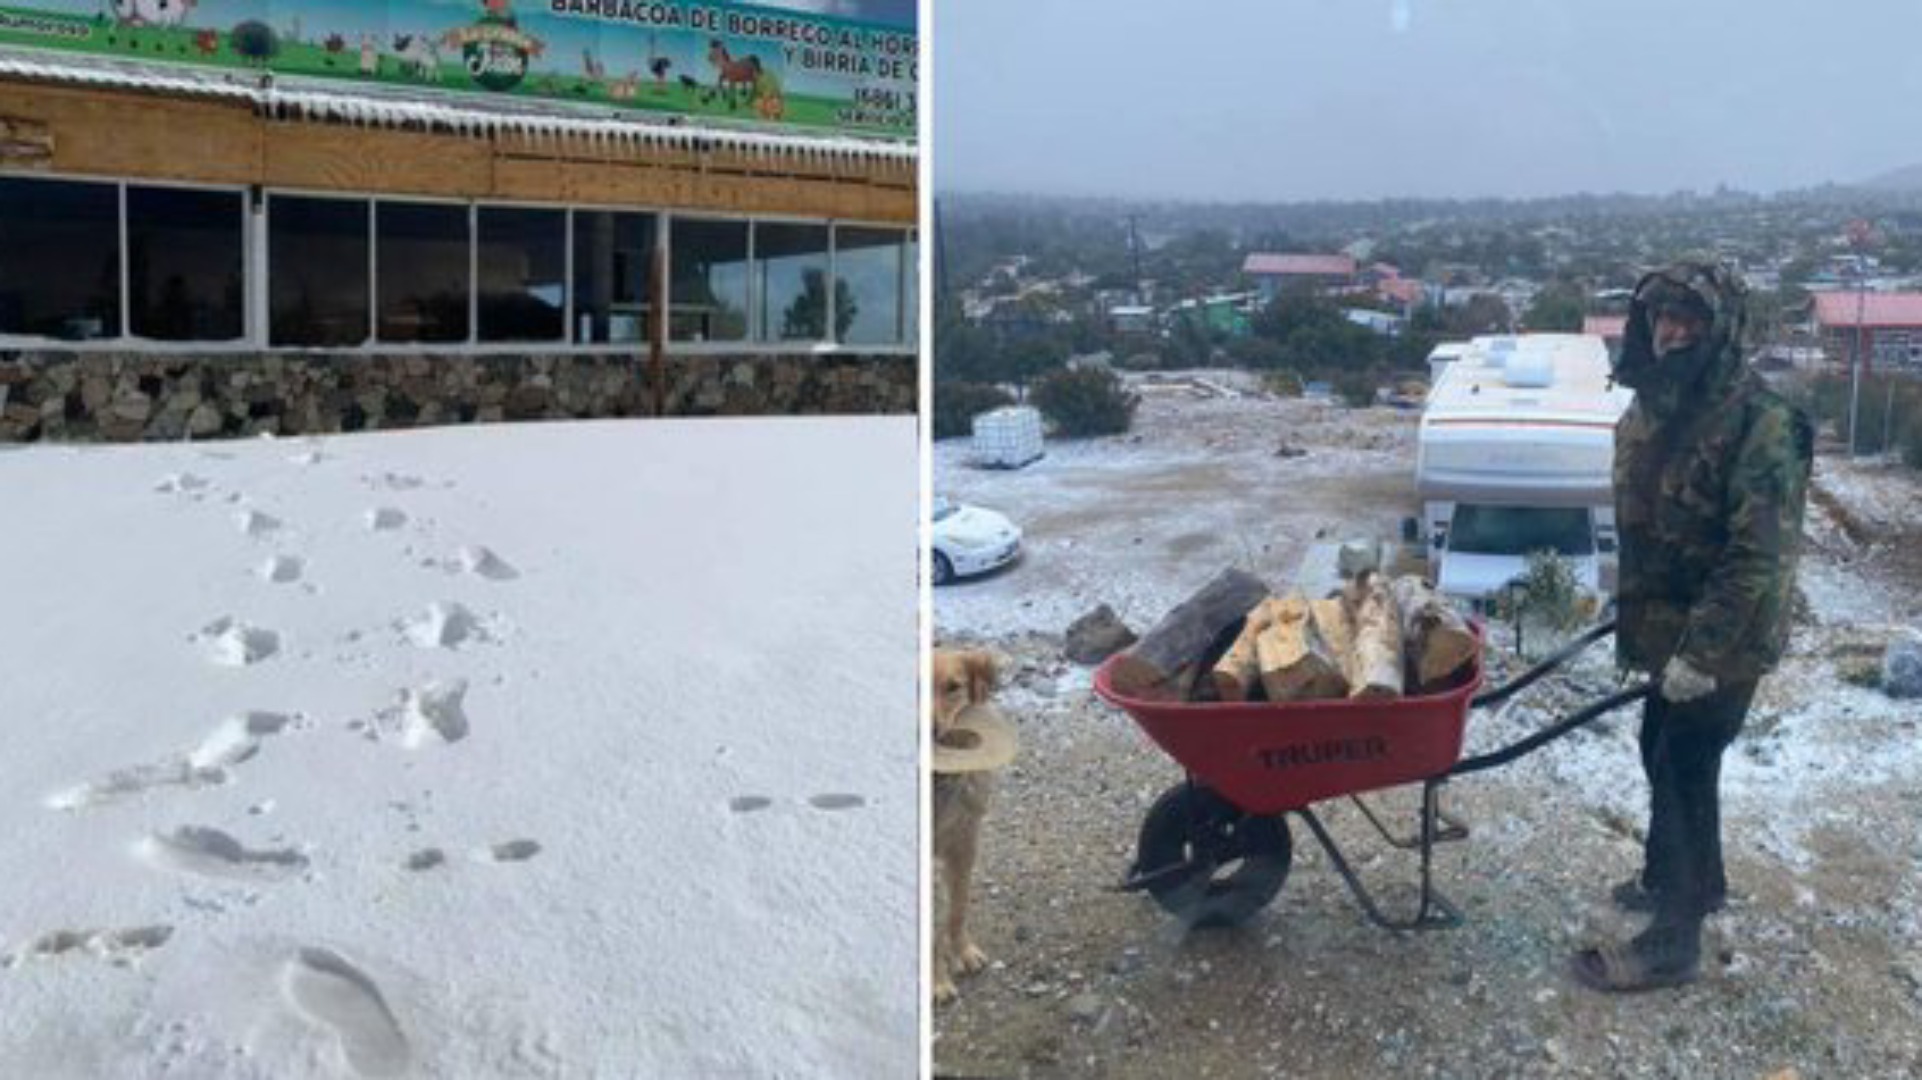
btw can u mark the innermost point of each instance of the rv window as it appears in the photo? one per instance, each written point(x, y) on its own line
point(1518, 530)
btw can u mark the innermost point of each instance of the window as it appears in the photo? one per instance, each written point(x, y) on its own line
point(61, 274)
point(1519, 530)
point(318, 271)
point(613, 271)
point(422, 257)
point(708, 272)
point(868, 284)
point(185, 263)
point(523, 274)
point(791, 269)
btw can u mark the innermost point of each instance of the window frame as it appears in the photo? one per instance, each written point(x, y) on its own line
point(256, 210)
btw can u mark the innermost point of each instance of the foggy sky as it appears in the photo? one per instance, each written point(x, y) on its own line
point(1277, 100)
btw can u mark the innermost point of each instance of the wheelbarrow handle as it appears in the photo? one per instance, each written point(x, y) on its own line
point(1587, 715)
point(1532, 675)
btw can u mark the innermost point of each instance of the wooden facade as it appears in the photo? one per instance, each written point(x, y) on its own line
point(136, 135)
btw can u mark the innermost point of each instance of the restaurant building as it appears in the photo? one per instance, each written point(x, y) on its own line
point(230, 217)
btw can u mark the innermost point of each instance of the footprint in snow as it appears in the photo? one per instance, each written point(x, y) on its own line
point(120, 947)
point(747, 804)
point(339, 998)
point(208, 852)
point(513, 851)
point(256, 524)
point(207, 765)
point(393, 481)
point(232, 643)
point(484, 563)
point(384, 518)
point(282, 569)
point(435, 713)
point(180, 483)
point(446, 625)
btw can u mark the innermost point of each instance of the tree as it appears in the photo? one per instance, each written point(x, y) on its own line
point(804, 321)
point(1556, 308)
point(1023, 361)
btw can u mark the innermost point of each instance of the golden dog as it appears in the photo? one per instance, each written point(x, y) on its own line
point(960, 679)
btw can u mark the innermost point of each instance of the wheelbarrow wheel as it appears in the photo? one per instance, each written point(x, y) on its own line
point(1208, 863)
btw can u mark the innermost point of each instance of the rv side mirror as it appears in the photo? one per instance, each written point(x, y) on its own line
point(1410, 530)
point(1605, 545)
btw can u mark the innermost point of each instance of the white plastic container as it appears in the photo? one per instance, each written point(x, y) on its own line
point(1008, 437)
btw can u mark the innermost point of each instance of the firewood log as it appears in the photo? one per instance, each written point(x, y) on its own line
point(1434, 635)
point(1297, 663)
point(1239, 670)
point(1373, 662)
point(1186, 633)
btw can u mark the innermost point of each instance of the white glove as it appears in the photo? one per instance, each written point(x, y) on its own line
point(1681, 682)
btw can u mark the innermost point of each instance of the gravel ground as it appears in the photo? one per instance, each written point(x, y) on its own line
point(1817, 965)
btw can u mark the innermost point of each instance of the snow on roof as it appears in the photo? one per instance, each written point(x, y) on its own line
point(1877, 309)
point(1531, 377)
point(1265, 263)
point(284, 97)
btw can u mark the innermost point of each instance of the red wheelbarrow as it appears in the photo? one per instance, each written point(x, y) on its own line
point(1215, 849)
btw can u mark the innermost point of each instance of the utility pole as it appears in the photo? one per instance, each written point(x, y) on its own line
point(1859, 234)
point(1134, 250)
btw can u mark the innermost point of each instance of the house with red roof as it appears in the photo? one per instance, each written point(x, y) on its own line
point(1885, 326)
point(1272, 273)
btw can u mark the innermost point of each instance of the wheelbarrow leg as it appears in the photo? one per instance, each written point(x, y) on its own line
point(1436, 912)
point(1452, 827)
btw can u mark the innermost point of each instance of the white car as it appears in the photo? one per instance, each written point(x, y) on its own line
point(969, 540)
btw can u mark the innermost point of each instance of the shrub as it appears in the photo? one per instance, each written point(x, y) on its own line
point(1083, 403)
point(1357, 388)
point(1284, 383)
point(956, 404)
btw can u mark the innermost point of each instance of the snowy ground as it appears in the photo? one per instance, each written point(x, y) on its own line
point(1818, 962)
point(547, 750)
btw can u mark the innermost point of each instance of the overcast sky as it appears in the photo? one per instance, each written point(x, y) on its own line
point(1296, 99)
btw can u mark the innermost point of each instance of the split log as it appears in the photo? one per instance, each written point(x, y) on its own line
point(1239, 670)
point(1373, 660)
point(1187, 632)
point(1331, 621)
point(1435, 636)
point(1297, 663)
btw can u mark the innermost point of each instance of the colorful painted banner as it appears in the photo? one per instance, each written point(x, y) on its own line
point(737, 62)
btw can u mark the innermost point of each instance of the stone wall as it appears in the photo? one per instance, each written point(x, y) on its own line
point(127, 397)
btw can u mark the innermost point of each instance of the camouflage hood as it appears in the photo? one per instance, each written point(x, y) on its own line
point(1704, 371)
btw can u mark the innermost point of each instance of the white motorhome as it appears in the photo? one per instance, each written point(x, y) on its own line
point(1516, 455)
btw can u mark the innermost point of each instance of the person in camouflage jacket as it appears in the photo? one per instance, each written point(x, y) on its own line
point(1711, 477)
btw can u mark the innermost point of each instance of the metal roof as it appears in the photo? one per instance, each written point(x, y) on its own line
point(1876, 309)
point(288, 98)
point(1265, 263)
